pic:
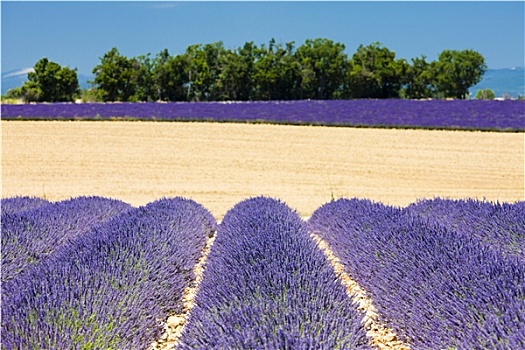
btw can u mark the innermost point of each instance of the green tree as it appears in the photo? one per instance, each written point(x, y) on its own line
point(160, 75)
point(265, 72)
point(203, 71)
point(178, 78)
point(113, 77)
point(141, 81)
point(323, 69)
point(67, 87)
point(49, 82)
point(375, 73)
point(419, 80)
point(197, 72)
point(485, 94)
point(289, 73)
point(230, 79)
point(276, 72)
point(239, 71)
point(237, 76)
point(28, 92)
point(170, 77)
point(456, 71)
point(214, 55)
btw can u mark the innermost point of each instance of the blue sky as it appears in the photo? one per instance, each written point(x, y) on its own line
point(77, 34)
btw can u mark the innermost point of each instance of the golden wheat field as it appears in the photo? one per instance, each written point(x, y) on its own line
point(220, 164)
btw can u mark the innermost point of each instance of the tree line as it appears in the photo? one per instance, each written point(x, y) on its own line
point(318, 69)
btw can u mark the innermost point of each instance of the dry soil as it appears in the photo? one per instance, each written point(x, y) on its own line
point(219, 164)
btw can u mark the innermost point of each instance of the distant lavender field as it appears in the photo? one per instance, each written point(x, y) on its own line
point(506, 115)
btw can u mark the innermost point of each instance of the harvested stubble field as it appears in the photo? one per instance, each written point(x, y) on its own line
point(220, 164)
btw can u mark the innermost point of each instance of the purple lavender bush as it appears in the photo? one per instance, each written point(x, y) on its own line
point(29, 237)
point(458, 114)
point(20, 204)
point(112, 287)
point(498, 225)
point(436, 288)
point(267, 286)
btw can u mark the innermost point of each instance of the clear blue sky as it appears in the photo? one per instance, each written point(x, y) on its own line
point(77, 34)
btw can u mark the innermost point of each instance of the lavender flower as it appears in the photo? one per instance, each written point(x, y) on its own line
point(268, 286)
point(30, 236)
point(437, 288)
point(112, 287)
point(459, 114)
point(498, 225)
point(21, 204)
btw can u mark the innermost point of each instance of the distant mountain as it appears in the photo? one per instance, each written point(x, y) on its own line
point(504, 82)
point(17, 77)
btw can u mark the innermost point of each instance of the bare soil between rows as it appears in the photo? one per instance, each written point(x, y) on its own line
point(220, 164)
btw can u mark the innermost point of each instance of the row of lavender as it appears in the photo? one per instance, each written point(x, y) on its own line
point(267, 285)
point(109, 287)
point(442, 274)
point(500, 225)
point(33, 228)
point(458, 114)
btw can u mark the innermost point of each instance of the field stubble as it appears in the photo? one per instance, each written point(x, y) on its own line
point(220, 164)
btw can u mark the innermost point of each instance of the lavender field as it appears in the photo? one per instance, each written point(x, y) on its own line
point(505, 115)
point(442, 274)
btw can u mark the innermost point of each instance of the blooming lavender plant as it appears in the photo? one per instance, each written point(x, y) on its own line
point(498, 225)
point(437, 288)
point(267, 286)
point(112, 287)
point(20, 204)
point(29, 237)
point(459, 114)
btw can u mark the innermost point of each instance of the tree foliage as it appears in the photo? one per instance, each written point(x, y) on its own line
point(48, 82)
point(324, 68)
point(168, 77)
point(114, 77)
point(455, 71)
point(485, 94)
point(275, 72)
point(317, 69)
point(419, 80)
point(235, 81)
point(376, 73)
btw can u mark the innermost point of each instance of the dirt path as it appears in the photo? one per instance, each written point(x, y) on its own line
point(174, 324)
point(219, 165)
point(379, 335)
